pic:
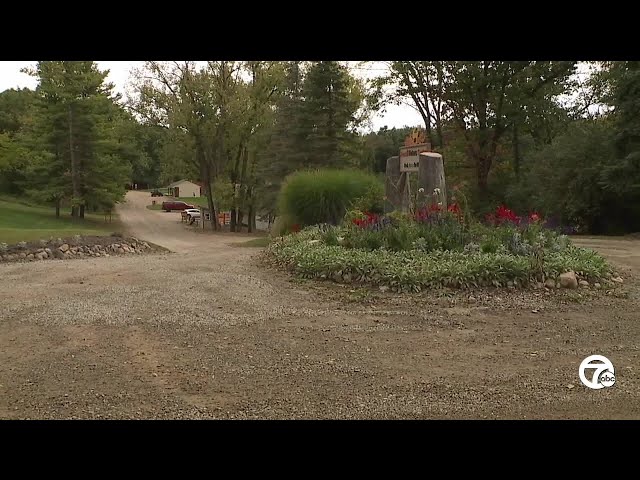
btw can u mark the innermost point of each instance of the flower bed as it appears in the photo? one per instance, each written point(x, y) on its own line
point(433, 249)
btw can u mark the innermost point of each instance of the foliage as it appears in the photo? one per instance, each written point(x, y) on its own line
point(415, 270)
point(323, 196)
point(566, 180)
point(372, 200)
point(483, 100)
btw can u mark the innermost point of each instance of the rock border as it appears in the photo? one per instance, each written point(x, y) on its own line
point(75, 247)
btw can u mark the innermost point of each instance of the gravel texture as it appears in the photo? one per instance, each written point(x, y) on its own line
point(205, 332)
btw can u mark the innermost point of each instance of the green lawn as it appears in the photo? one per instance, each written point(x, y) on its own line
point(19, 222)
point(201, 201)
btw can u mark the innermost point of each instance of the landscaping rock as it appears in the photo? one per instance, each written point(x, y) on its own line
point(597, 285)
point(347, 277)
point(120, 250)
point(583, 283)
point(30, 257)
point(384, 288)
point(568, 280)
point(48, 250)
point(617, 279)
point(64, 247)
point(550, 283)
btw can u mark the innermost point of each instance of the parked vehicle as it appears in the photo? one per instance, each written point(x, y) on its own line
point(175, 205)
point(192, 212)
point(157, 193)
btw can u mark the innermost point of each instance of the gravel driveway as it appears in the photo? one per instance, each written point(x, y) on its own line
point(206, 333)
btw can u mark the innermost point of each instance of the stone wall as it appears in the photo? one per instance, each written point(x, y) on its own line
point(76, 247)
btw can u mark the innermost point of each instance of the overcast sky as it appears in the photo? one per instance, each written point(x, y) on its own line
point(395, 116)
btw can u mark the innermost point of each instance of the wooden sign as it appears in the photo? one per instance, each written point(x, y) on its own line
point(415, 144)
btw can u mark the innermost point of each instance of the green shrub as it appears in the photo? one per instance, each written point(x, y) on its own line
point(372, 200)
point(399, 238)
point(363, 239)
point(323, 196)
point(330, 237)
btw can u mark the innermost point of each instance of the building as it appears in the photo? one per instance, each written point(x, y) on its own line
point(185, 188)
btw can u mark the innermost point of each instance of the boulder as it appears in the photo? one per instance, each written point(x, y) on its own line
point(550, 283)
point(31, 256)
point(74, 250)
point(583, 283)
point(568, 280)
point(64, 247)
point(120, 250)
point(48, 251)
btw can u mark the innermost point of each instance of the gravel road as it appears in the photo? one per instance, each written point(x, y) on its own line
point(204, 332)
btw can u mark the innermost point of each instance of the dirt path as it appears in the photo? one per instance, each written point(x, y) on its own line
point(205, 333)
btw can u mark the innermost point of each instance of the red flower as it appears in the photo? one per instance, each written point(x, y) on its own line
point(535, 217)
point(504, 214)
point(454, 208)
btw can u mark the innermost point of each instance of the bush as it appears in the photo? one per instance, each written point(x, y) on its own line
point(323, 196)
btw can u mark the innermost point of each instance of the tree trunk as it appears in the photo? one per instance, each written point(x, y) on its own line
point(482, 172)
point(57, 208)
point(251, 220)
point(240, 219)
point(212, 210)
point(82, 211)
point(232, 221)
point(516, 152)
point(74, 168)
point(431, 176)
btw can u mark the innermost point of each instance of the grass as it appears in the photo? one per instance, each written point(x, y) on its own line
point(22, 222)
point(256, 243)
point(199, 201)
